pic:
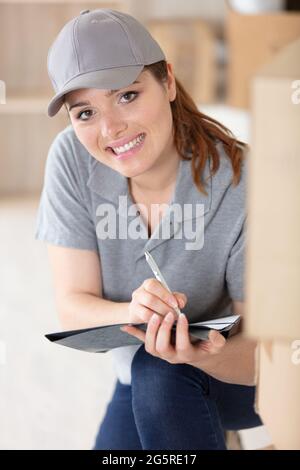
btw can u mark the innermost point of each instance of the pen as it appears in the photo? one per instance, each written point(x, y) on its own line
point(158, 275)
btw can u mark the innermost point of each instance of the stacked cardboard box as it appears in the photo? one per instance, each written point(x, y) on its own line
point(190, 45)
point(253, 40)
point(273, 254)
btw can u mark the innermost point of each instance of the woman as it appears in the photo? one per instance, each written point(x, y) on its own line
point(136, 149)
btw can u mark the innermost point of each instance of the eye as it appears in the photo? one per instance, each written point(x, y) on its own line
point(128, 94)
point(86, 111)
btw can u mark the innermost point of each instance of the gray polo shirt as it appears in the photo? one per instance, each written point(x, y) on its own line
point(78, 194)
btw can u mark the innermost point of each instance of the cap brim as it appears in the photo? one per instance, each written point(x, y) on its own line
point(110, 79)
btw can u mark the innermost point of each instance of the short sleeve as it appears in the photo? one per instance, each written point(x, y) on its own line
point(63, 217)
point(235, 269)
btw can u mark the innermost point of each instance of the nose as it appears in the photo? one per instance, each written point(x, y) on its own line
point(112, 125)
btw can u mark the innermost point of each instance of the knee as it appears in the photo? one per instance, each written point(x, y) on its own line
point(150, 374)
point(145, 367)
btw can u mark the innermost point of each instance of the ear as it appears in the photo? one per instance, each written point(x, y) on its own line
point(171, 83)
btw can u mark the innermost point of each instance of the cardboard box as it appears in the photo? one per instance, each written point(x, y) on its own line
point(253, 40)
point(190, 45)
point(273, 248)
point(273, 267)
point(279, 392)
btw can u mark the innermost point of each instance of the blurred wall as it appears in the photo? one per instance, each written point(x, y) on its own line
point(214, 10)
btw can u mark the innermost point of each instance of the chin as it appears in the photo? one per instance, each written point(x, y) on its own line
point(133, 170)
point(130, 173)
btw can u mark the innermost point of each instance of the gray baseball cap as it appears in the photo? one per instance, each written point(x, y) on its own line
point(101, 48)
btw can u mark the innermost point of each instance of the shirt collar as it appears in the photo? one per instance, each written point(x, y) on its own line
point(109, 184)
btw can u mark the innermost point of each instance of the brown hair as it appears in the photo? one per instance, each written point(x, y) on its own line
point(197, 134)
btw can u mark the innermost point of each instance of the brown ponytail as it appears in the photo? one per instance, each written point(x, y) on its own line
point(197, 134)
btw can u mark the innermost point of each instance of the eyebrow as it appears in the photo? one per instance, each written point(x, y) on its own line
point(107, 94)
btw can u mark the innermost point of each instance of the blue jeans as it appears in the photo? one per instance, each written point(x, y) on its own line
point(174, 407)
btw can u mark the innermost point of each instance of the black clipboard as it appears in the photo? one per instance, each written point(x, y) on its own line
point(104, 338)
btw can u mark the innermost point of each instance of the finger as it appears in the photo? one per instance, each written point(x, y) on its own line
point(216, 339)
point(144, 313)
point(181, 298)
point(183, 343)
point(214, 344)
point(153, 303)
point(131, 330)
point(163, 339)
point(156, 297)
point(151, 333)
point(154, 287)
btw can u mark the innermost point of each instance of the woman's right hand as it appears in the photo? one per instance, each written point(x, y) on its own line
point(152, 297)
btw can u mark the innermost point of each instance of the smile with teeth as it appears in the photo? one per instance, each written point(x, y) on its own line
point(133, 143)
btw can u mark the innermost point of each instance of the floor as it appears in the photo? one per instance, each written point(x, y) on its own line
point(52, 397)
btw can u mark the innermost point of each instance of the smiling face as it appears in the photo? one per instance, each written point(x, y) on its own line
point(129, 130)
